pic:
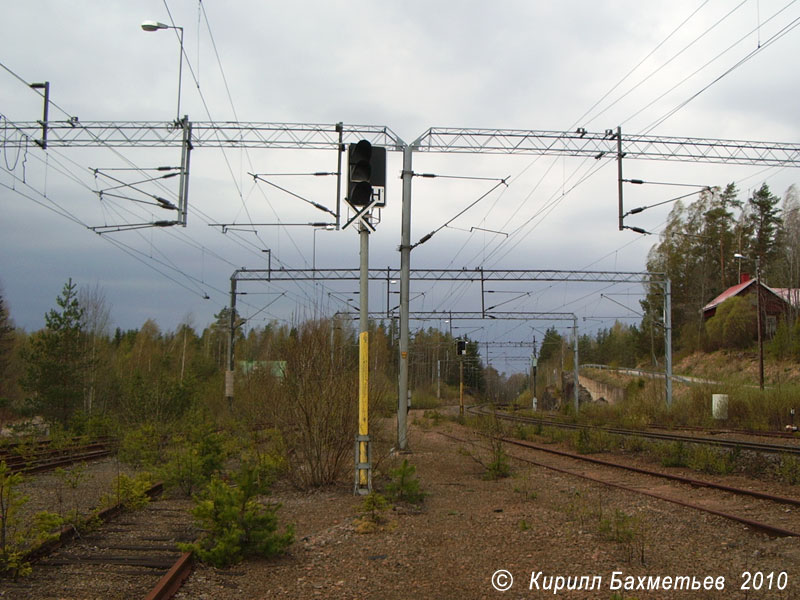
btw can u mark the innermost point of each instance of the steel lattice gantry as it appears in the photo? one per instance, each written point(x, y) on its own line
point(476, 275)
point(609, 144)
point(205, 134)
point(324, 136)
point(598, 145)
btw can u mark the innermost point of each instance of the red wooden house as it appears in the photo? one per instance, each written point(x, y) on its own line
point(776, 303)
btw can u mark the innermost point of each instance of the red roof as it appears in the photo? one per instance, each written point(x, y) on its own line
point(729, 293)
point(789, 295)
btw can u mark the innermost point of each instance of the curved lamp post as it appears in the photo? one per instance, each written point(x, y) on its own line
point(758, 319)
point(155, 26)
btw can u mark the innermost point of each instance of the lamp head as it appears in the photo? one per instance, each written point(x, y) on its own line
point(153, 26)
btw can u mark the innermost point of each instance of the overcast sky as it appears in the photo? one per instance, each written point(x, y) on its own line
point(408, 66)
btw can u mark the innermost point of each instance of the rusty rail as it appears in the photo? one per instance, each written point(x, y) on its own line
point(764, 527)
point(172, 581)
point(68, 533)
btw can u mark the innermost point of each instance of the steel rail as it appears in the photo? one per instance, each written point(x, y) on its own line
point(70, 459)
point(47, 460)
point(731, 444)
point(669, 476)
point(68, 533)
point(757, 525)
point(172, 581)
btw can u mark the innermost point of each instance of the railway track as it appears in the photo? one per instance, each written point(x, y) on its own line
point(43, 457)
point(786, 435)
point(129, 547)
point(740, 444)
point(132, 555)
point(770, 514)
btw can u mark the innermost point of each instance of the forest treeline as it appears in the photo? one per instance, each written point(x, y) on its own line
point(77, 368)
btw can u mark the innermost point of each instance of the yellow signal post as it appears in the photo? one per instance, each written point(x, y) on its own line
point(364, 471)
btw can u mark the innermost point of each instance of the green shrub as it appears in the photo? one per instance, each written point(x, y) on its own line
point(788, 469)
point(69, 480)
point(373, 517)
point(265, 454)
point(591, 441)
point(620, 528)
point(236, 524)
point(525, 432)
point(434, 415)
point(425, 400)
point(11, 536)
point(674, 454)
point(192, 459)
point(130, 492)
point(374, 506)
point(733, 325)
point(142, 447)
point(500, 466)
point(15, 537)
point(404, 486)
point(93, 426)
point(715, 461)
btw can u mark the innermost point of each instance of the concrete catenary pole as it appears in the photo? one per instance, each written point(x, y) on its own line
point(575, 369)
point(405, 284)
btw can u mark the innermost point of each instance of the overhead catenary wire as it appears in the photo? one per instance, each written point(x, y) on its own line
point(247, 154)
point(735, 66)
point(580, 120)
point(425, 238)
point(625, 244)
point(703, 67)
point(672, 58)
point(626, 76)
point(502, 242)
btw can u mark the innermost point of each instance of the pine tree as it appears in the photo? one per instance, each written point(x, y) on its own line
point(765, 218)
point(57, 361)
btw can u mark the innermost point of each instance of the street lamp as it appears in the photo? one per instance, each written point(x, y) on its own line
point(155, 26)
point(389, 283)
point(758, 319)
point(327, 227)
point(739, 257)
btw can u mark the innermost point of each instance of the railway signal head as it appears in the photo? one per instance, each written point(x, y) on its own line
point(461, 347)
point(366, 171)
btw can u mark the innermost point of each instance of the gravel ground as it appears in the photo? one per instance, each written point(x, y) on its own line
point(78, 487)
point(468, 528)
